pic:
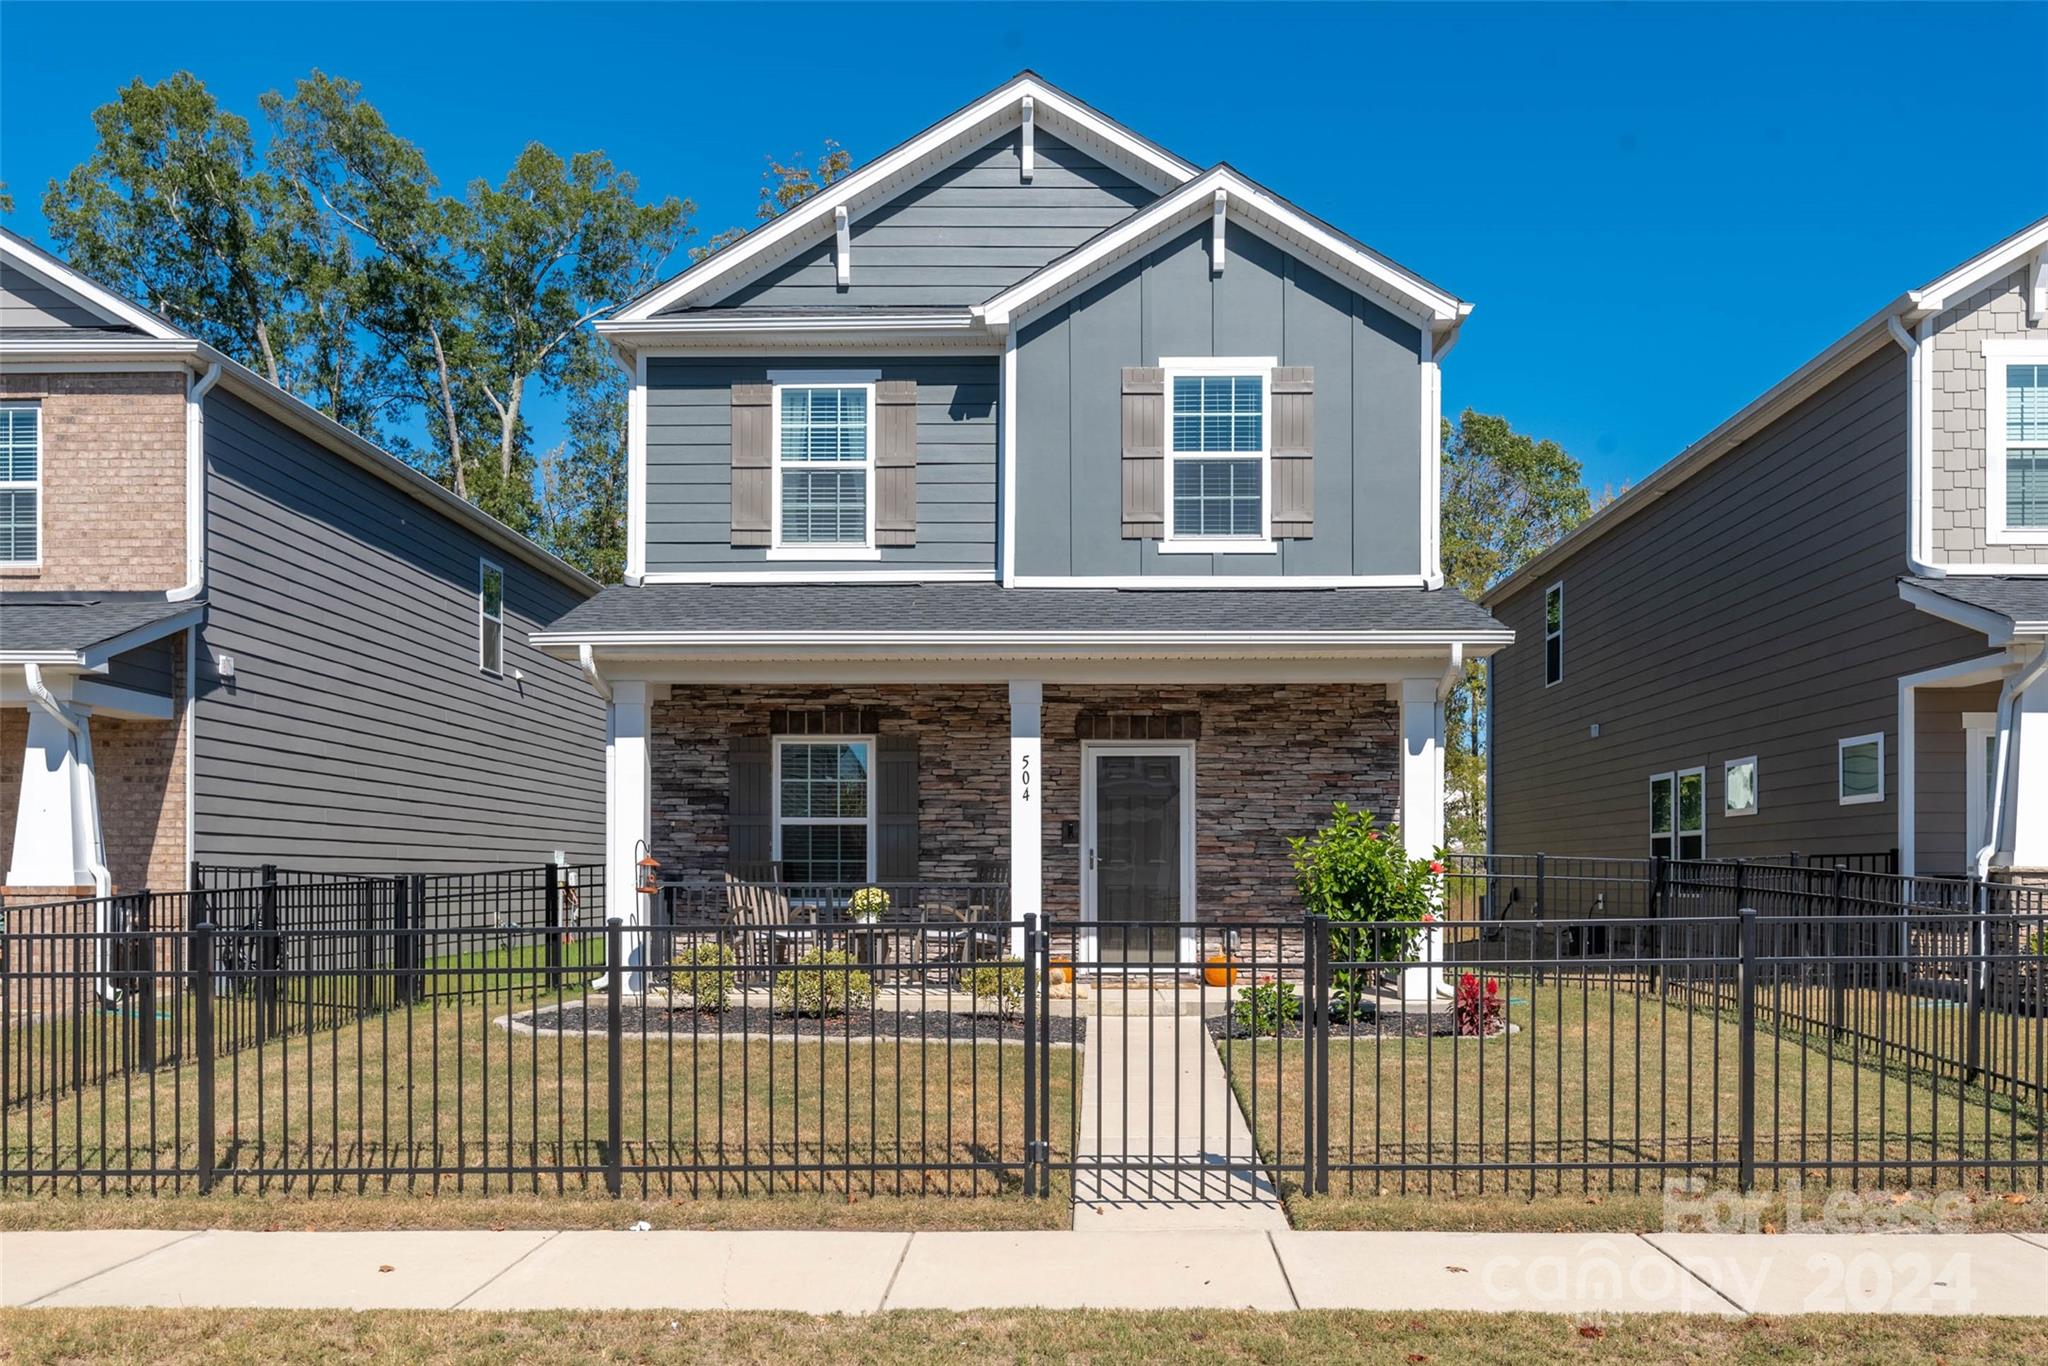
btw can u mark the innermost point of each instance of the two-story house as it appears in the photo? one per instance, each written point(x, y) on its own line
point(232, 631)
point(1034, 506)
point(1819, 628)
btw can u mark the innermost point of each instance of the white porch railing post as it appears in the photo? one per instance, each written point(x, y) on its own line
point(627, 819)
point(1422, 811)
point(1027, 700)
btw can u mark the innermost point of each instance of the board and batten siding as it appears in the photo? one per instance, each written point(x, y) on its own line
point(1752, 610)
point(28, 303)
point(357, 731)
point(1366, 463)
point(962, 235)
point(689, 460)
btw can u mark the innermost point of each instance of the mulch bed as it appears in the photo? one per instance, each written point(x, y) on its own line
point(932, 1026)
point(1391, 1024)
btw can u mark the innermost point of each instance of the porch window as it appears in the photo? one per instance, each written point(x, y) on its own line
point(21, 481)
point(824, 810)
point(824, 465)
point(1860, 769)
point(1217, 453)
point(490, 617)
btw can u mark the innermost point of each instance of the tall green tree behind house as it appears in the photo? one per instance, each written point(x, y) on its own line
point(1507, 497)
point(783, 187)
point(583, 480)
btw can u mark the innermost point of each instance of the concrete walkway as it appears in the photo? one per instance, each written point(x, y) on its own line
point(863, 1273)
point(1154, 1095)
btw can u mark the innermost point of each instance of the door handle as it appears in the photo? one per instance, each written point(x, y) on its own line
point(1091, 860)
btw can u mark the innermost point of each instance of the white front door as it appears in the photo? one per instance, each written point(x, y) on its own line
point(1138, 852)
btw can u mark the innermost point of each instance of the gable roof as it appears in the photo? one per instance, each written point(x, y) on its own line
point(2001, 606)
point(86, 629)
point(1245, 203)
point(142, 335)
point(901, 166)
point(2027, 246)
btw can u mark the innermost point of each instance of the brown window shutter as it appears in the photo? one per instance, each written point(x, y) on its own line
point(896, 462)
point(1294, 440)
point(1144, 452)
point(753, 463)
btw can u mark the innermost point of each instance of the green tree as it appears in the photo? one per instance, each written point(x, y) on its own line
point(583, 480)
point(783, 187)
point(1507, 497)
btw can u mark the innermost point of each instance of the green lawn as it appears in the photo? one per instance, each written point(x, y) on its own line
point(1610, 1082)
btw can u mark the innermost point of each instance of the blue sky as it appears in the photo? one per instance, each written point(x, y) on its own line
point(1658, 210)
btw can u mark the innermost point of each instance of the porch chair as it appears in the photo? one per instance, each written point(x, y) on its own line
point(769, 926)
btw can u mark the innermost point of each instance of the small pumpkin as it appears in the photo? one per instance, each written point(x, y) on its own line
point(1219, 973)
point(1061, 970)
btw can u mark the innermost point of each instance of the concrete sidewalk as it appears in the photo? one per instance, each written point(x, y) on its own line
point(863, 1273)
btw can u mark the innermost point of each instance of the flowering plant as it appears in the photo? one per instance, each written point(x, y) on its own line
point(869, 903)
point(1478, 1006)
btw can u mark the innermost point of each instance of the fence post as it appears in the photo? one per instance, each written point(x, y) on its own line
point(1659, 872)
point(138, 945)
point(614, 1026)
point(366, 946)
point(417, 895)
point(1036, 979)
point(1317, 1177)
point(1745, 1134)
point(202, 1031)
point(1536, 911)
point(269, 957)
point(551, 954)
point(1838, 977)
point(1978, 963)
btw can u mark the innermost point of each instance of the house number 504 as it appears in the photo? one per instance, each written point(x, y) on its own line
point(1024, 776)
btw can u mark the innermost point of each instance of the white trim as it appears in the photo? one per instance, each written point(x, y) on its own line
point(1090, 640)
point(1402, 291)
point(987, 117)
point(34, 485)
point(1388, 668)
point(1173, 581)
point(1008, 456)
point(868, 742)
point(821, 550)
point(89, 293)
point(1678, 811)
point(1027, 801)
point(1234, 367)
point(1557, 635)
point(1432, 457)
point(109, 699)
point(1842, 747)
point(842, 247)
point(2000, 352)
point(952, 333)
point(822, 576)
point(1984, 669)
point(1939, 293)
point(1755, 787)
point(1979, 727)
point(1219, 213)
point(636, 472)
point(1089, 950)
point(111, 358)
point(1027, 114)
point(1996, 627)
point(96, 655)
point(484, 569)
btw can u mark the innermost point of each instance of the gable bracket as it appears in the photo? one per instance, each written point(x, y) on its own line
point(2037, 289)
point(842, 248)
point(1029, 125)
point(1217, 213)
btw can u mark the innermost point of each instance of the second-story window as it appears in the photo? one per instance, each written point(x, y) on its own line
point(2022, 421)
point(824, 465)
point(1553, 635)
point(1216, 453)
point(21, 483)
point(490, 617)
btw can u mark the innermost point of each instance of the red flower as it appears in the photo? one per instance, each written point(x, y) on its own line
point(1436, 865)
point(1372, 834)
point(1493, 986)
point(1468, 980)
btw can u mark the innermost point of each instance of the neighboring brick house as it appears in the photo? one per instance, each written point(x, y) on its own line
point(1030, 508)
point(232, 631)
point(1821, 627)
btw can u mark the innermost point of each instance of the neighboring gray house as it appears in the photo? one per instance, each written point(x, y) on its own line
point(1820, 627)
point(232, 631)
point(1035, 509)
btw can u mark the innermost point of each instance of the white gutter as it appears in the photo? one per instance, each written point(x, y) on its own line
point(195, 487)
point(1454, 672)
point(1916, 449)
point(588, 659)
point(2008, 697)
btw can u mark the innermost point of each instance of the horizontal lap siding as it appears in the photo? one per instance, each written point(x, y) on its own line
point(1753, 610)
point(26, 301)
point(358, 731)
point(689, 461)
point(966, 233)
point(1366, 464)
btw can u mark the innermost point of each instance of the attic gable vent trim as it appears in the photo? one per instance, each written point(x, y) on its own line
point(1030, 122)
point(842, 236)
point(1216, 216)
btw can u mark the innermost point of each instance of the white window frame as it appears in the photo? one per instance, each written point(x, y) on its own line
point(484, 569)
point(1671, 835)
point(34, 485)
point(777, 550)
point(775, 794)
point(2000, 352)
point(1189, 366)
point(1678, 830)
point(1842, 747)
point(1550, 635)
point(1756, 789)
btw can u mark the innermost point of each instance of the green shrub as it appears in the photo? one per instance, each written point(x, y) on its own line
point(1358, 874)
point(1265, 1007)
point(997, 990)
point(824, 982)
point(707, 974)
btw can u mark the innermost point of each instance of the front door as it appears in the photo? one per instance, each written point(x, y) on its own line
point(1137, 856)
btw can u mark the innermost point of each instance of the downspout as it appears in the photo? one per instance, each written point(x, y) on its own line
point(2008, 698)
point(1916, 449)
point(195, 488)
point(588, 660)
point(84, 808)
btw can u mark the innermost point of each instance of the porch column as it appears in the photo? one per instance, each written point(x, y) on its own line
point(56, 825)
point(1027, 700)
point(1422, 810)
point(2027, 817)
point(627, 817)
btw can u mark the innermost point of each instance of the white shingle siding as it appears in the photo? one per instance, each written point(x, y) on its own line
point(1958, 398)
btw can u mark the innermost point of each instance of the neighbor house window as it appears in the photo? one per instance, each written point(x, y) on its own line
point(1553, 635)
point(1663, 813)
point(824, 809)
point(1692, 813)
point(21, 483)
point(490, 617)
point(2017, 448)
point(1860, 763)
point(824, 465)
point(1216, 452)
point(1738, 787)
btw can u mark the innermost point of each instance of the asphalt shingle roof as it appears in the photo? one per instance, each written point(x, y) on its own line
point(940, 608)
point(2022, 601)
point(50, 623)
